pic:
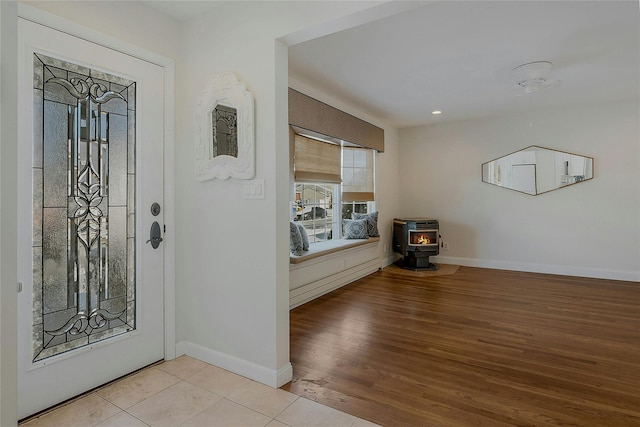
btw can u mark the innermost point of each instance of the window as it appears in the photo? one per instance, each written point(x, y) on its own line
point(314, 208)
point(331, 182)
point(357, 181)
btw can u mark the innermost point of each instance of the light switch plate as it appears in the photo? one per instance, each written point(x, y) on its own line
point(254, 189)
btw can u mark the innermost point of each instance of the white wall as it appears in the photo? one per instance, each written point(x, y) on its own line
point(387, 192)
point(130, 21)
point(232, 253)
point(589, 229)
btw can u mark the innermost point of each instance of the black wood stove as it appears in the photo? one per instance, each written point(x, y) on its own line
point(416, 239)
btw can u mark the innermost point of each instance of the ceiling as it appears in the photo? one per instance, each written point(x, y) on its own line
point(458, 57)
point(182, 10)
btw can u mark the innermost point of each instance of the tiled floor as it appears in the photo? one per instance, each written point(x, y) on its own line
point(190, 393)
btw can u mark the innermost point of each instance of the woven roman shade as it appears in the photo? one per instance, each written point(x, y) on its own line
point(357, 174)
point(310, 114)
point(316, 161)
point(357, 196)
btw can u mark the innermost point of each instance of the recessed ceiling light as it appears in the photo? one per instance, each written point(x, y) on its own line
point(435, 113)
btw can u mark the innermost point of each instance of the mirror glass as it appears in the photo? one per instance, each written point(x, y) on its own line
point(224, 124)
point(536, 170)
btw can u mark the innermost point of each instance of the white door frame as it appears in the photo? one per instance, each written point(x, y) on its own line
point(8, 217)
point(69, 27)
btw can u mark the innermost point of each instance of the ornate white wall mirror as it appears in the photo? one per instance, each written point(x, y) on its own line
point(225, 132)
point(535, 170)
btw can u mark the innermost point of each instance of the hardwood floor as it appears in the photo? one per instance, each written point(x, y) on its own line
point(479, 347)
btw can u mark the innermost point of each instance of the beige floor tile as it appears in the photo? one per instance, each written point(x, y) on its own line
point(364, 423)
point(85, 411)
point(218, 380)
point(226, 413)
point(122, 420)
point(138, 387)
point(174, 405)
point(158, 397)
point(183, 366)
point(264, 399)
point(306, 413)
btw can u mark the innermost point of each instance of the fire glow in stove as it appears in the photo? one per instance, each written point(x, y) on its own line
point(416, 239)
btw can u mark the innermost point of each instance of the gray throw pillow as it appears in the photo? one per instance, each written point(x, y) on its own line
point(305, 237)
point(355, 228)
point(372, 222)
point(295, 239)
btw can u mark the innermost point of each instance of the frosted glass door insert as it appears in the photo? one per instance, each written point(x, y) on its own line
point(83, 206)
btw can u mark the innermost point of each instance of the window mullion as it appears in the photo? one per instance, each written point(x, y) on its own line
point(336, 230)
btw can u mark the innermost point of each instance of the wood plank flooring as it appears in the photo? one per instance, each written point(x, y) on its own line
point(479, 347)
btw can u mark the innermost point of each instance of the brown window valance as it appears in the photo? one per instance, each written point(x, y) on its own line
point(310, 114)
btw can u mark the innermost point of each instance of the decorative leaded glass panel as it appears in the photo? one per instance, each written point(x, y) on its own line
point(83, 206)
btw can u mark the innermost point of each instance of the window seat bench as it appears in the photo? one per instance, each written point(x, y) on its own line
point(328, 247)
point(330, 265)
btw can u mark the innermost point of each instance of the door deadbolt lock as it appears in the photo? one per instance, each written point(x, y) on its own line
point(155, 209)
point(155, 235)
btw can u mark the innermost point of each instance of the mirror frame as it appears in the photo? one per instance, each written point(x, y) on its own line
point(225, 89)
point(533, 167)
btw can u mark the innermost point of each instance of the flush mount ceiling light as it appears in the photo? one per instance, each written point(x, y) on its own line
point(533, 76)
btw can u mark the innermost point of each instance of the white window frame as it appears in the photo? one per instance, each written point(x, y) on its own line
point(335, 212)
point(337, 204)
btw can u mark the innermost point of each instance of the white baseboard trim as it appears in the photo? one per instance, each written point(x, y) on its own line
point(566, 270)
point(258, 373)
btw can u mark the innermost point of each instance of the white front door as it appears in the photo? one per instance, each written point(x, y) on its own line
point(90, 169)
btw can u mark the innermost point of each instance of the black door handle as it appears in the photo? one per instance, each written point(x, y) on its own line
point(155, 235)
